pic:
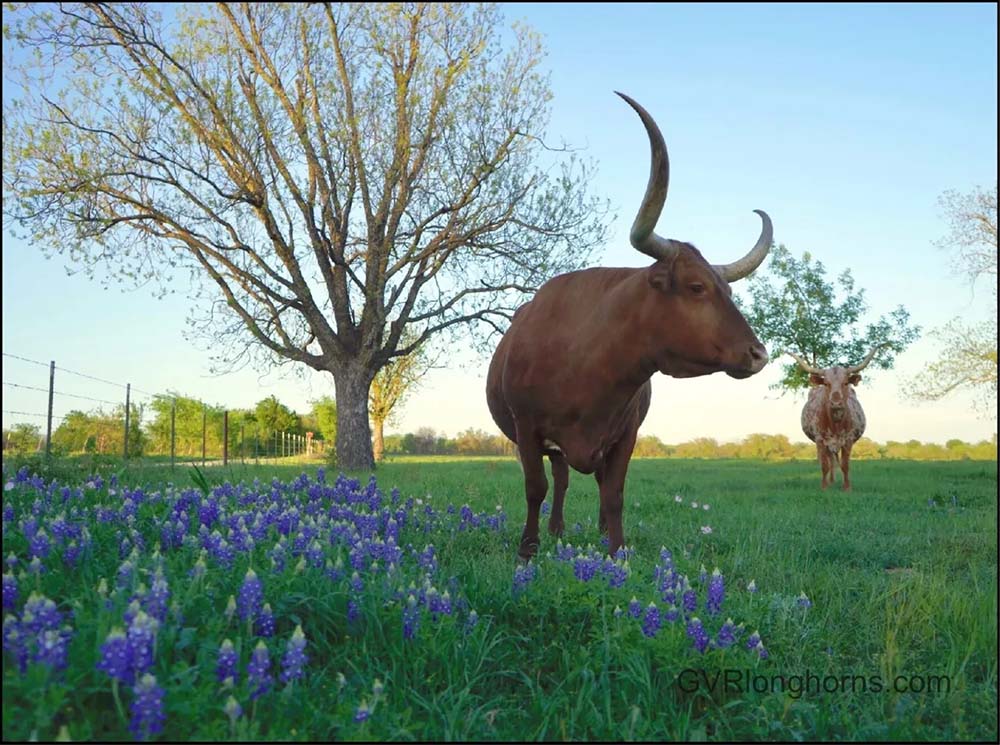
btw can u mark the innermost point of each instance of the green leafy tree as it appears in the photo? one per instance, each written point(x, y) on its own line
point(968, 357)
point(22, 438)
point(793, 307)
point(390, 387)
point(273, 416)
point(335, 174)
point(98, 432)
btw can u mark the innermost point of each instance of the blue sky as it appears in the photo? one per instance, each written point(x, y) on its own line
point(844, 122)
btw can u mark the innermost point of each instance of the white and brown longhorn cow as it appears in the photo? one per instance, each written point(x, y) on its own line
point(833, 417)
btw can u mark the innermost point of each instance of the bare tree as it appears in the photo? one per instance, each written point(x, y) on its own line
point(968, 358)
point(332, 175)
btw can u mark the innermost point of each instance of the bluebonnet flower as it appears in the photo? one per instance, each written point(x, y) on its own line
point(40, 613)
point(72, 553)
point(230, 608)
point(689, 600)
point(264, 625)
point(716, 593)
point(39, 544)
point(259, 671)
point(753, 640)
point(147, 709)
point(227, 662)
point(362, 713)
point(15, 641)
point(251, 596)
point(545, 507)
point(471, 621)
point(761, 651)
point(702, 574)
point(726, 636)
point(357, 584)
point(36, 567)
point(618, 612)
point(141, 636)
point(124, 575)
point(699, 638)
point(353, 611)
point(10, 591)
point(52, 648)
point(585, 567)
point(672, 613)
point(804, 601)
point(159, 595)
point(411, 617)
point(295, 657)
point(651, 620)
point(634, 607)
point(752, 586)
point(617, 572)
point(523, 575)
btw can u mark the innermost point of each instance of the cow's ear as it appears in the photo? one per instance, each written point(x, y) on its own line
point(816, 379)
point(854, 379)
point(661, 275)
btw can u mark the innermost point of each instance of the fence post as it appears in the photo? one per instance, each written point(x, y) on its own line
point(128, 396)
point(225, 437)
point(204, 429)
point(242, 453)
point(173, 431)
point(48, 428)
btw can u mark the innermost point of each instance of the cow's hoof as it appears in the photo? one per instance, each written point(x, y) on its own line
point(556, 528)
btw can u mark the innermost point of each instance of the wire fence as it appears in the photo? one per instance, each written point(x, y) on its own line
point(59, 426)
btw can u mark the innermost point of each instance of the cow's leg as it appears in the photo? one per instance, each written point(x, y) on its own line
point(602, 519)
point(845, 465)
point(821, 454)
point(560, 482)
point(613, 489)
point(535, 486)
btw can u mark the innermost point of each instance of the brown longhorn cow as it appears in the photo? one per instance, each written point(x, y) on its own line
point(833, 417)
point(570, 378)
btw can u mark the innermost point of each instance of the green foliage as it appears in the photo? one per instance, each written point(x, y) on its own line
point(324, 412)
point(22, 438)
point(273, 416)
point(97, 432)
point(793, 307)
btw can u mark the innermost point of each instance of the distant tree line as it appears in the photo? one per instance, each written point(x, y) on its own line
point(426, 441)
point(251, 431)
point(102, 433)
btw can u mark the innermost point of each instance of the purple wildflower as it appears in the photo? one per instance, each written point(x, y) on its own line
point(716, 593)
point(259, 671)
point(251, 596)
point(804, 601)
point(411, 617)
point(752, 587)
point(363, 712)
point(15, 641)
point(52, 648)
point(141, 636)
point(699, 638)
point(10, 591)
point(264, 625)
point(761, 651)
point(295, 657)
point(634, 608)
point(227, 661)
point(147, 709)
point(353, 611)
point(651, 620)
point(689, 600)
point(726, 636)
point(471, 621)
point(39, 545)
point(523, 575)
point(753, 641)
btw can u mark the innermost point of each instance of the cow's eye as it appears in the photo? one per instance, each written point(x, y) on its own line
point(697, 288)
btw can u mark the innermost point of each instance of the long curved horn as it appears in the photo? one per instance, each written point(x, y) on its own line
point(864, 363)
point(642, 236)
point(805, 365)
point(742, 267)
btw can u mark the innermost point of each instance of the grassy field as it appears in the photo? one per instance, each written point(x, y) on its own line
point(898, 639)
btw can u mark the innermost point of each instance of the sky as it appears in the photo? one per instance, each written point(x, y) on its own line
point(844, 122)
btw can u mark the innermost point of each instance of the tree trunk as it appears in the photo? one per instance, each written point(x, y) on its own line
point(379, 444)
point(354, 438)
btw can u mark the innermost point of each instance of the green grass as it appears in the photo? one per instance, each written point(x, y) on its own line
point(901, 573)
